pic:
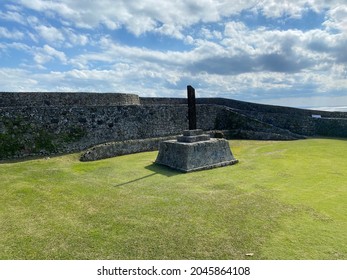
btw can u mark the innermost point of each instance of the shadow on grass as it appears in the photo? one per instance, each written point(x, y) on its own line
point(135, 180)
point(157, 170)
point(163, 170)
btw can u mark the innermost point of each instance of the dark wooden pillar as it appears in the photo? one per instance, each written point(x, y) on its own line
point(191, 108)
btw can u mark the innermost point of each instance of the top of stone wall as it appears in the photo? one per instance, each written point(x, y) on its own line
point(44, 99)
point(244, 106)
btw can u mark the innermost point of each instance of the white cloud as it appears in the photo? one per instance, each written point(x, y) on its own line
point(33, 21)
point(170, 31)
point(293, 8)
point(12, 16)
point(234, 28)
point(222, 56)
point(164, 16)
point(58, 7)
point(210, 34)
point(337, 19)
point(18, 46)
point(50, 34)
point(138, 17)
point(47, 53)
point(59, 37)
point(13, 34)
point(54, 53)
point(140, 25)
point(74, 39)
point(244, 59)
point(274, 9)
point(17, 80)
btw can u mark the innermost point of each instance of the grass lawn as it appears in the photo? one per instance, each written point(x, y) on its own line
point(283, 200)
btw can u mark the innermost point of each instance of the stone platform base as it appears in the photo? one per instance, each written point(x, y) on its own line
point(190, 156)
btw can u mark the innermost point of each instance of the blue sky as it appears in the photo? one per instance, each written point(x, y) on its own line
point(287, 53)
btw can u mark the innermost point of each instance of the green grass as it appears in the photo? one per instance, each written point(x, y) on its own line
point(283, 200)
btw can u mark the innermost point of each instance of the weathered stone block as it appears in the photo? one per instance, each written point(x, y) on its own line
point(196, 156)
point(192, 139)
point(191, 136)
point(194, 132)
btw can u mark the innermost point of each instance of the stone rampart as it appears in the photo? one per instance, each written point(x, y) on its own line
point(67, 123)
point(46, 130)
point(298, 121)
point(49, 99)
point(331, 127)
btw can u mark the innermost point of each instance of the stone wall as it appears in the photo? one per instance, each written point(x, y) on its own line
point(113, 149)
point(48, 99)
point(46, 126)
point(46, 130)
point(298, 121)
point(331, 127)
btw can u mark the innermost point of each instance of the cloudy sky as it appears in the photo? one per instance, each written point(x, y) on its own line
point(277, 52)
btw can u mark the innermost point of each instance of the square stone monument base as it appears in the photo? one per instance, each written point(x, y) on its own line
point(195, 151)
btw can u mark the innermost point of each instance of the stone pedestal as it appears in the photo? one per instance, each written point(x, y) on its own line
point(195, 151)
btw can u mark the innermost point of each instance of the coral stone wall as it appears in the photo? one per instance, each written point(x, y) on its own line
point(46, 99)
point(299, 121)
point(46, 130)
point(49, 123)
